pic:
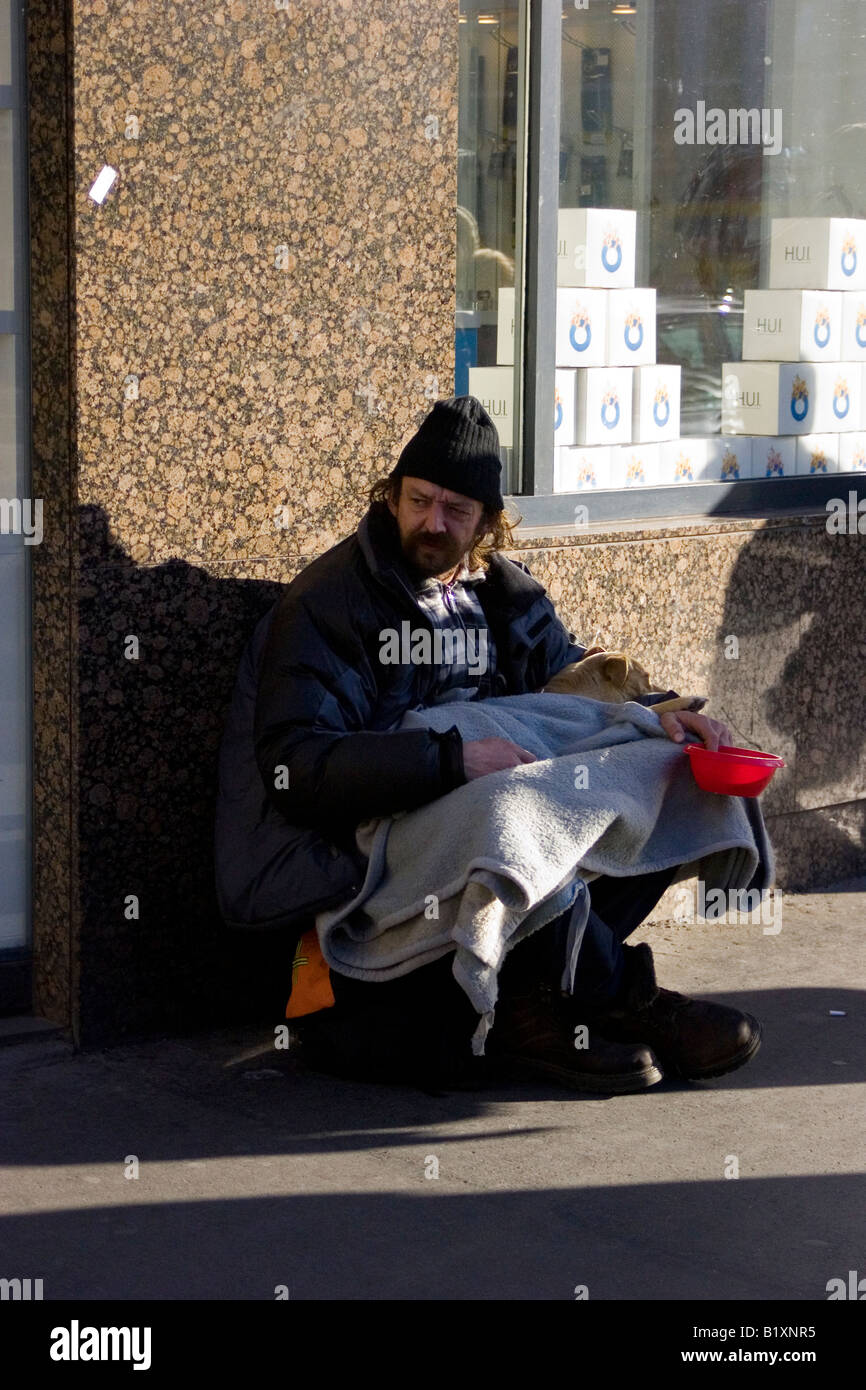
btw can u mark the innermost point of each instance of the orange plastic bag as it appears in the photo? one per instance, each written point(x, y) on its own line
point(311, 979)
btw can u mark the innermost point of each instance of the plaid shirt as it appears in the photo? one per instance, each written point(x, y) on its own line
point(455, 606)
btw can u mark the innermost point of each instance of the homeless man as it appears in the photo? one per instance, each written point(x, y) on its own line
point(327, 710)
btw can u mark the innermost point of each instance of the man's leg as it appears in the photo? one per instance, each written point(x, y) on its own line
point(618, 996)
point(416, 1029)
point(535, 1021)
point(420, 1025)
point(618, 906)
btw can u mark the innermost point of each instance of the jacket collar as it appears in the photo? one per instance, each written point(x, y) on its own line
point(379, 540)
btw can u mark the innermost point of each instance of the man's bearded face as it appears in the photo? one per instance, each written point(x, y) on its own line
point(437, 527)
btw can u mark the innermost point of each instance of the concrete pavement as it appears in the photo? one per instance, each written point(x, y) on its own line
point(254, 1173)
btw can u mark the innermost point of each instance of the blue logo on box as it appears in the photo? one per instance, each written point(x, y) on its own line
point(580, 325)
point(635, 475)
point(610, 410)
point(821, 331)
point(611, 252)
point(799, 399)
point(661, 407)
point(633, 331)
point(841, 399)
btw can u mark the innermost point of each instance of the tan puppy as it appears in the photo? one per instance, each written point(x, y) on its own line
point(615, 678)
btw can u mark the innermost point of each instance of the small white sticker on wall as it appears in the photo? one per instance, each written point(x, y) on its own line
point(104, 179)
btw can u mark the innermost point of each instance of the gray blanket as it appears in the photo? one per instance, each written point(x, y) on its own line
point(478, 870)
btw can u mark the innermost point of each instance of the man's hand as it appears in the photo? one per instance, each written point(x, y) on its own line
point(712, 731)
point(483, 755)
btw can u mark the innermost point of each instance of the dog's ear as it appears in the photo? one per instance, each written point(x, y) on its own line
point(616, 669)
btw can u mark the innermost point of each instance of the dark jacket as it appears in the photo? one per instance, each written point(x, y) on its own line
point(312, 699)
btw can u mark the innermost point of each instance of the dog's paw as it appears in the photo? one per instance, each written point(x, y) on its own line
point(692, 703)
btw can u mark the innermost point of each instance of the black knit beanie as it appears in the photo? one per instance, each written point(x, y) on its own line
point(456, 447)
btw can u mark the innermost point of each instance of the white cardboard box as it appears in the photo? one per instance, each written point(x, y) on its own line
point(682, 460)
point(728, 459)
point(631, 327)
point(854, 326)
point(581, 470)
point(774, 457)
point(564, 407)
point(709, 459)
point(852, 453)
point(792, 326)
point(604, 405)
point(635, 465)
point(596, 246)
point(494, 388)
point(840, 396)
point(656, 403)
point(770, 397)
point(581, 328)
point(505, 327)
point(818, 453)
point(817, 253)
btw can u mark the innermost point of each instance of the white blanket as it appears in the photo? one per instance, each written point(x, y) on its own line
point(480, 869)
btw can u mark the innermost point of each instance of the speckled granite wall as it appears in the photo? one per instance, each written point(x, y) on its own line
point(257, 311)
point(793, 679)
point(259, 315)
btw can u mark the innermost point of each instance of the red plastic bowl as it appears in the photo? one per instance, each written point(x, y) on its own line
point(732, 771)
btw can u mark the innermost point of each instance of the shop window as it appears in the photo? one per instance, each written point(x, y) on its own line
point(661, 274)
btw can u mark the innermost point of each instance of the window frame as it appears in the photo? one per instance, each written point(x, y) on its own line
point(16, 963)
point(535, 311)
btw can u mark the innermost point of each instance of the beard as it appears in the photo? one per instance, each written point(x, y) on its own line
point(429, 558)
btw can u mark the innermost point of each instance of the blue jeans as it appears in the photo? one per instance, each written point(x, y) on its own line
point(618, 906)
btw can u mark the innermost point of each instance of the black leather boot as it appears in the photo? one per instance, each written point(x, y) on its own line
point(691, 1039)
point(534, 1033)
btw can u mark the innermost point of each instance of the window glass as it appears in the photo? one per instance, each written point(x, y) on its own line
point(711, 258)
point(5, 43)
point(7, 211)
point(488, 214)
point(8, 422)
point(605, 325)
